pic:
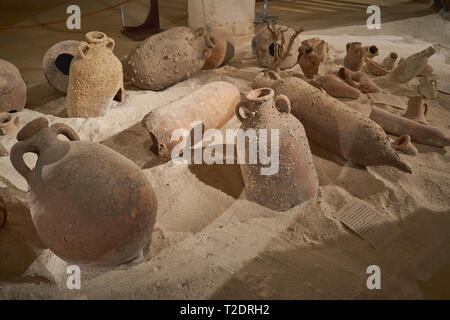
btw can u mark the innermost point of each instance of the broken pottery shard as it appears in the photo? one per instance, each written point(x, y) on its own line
point(95, 77)
point(379, 231)
point(212, 105)
point(13, 91)
point(410, 67)
point(333, 125)
point(90, 205)
point(167, 58)
point(295, 179)
point(357, 54)
point(428, 88)
point(419, 132)
point(443, 86)
point(404, 144)
point(56, 63)
point(335, 87)
point(389, 99)
point(222, 52)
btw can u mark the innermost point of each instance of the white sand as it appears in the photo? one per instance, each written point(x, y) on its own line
point(210, 242)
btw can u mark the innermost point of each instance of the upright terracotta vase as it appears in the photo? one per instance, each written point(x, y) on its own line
point(309, 61)
point(332, 125)
point(90, 205)
point(319, 46)
point(56, 63)
point(295, 180)
point(357, 54)
point(417, 109)
point(167, 58)
point(95, 77)
point(13, 91)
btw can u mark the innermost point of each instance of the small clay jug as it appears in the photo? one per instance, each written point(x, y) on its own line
point(389, 62)
point(56, 63)
point(95, 77)
point(410, 67)
point(417, 109)
point(295, 180)
point(374, 68)
point(357, 54)
point(9, 123)
point(3, 213)
point(90, 205)
point(428, 88)
point(13, 91)
point(319, 46)
point(309, 61)
point(404, 144)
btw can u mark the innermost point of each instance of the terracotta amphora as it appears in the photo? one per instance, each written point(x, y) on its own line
point(13, 91)
point(95, 77)
point(428, 88)
point(417, 109)
point(9, 123)
point(295, 179)
point(56, 63)
point(374, 68)
point(410, 67)
point(333, 125)
point(223, 50)
point(167, 58)
point(90, 205)
point(357, 54)
point(359, 80)
point(335, 87)
point(389, 62)
point(309, 61)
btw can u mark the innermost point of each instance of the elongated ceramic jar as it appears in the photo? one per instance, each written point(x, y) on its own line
point(95, 77)
point(90, 205)
point(357, 54)
point(13, 91)
point(410, 67)
point(295, 180)
point(9, 123)
point(168, 57)
point(331, 124)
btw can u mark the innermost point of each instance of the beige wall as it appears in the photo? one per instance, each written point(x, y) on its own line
point(234, 16)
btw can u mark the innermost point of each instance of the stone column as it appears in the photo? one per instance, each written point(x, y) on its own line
point(234, 16)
